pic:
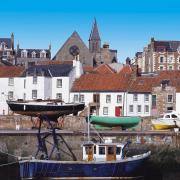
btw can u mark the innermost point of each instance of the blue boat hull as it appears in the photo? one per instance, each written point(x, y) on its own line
point(64, 169)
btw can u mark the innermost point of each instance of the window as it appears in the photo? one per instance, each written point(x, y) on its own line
point(96, 98)
point(105, 110)
point(76, 98)
point(170, 59)
point(34, 94)
point(34, 79)
point(59, 96)
point(146, 97)
point(81, 98)
point(170, 98)
point(43, 54)
point(174, 116)
point(135, 97)
point(24, 54)
point(33, 55)
point(118, 150)
point(24, 83)
point(59, 83)
point(11, 81)
point(167, 116)
point(170, 67)
point(10, 95)
point(110, 150)
point(119, 98)
point(139, 108)
point(154, 101)
point(101, 150)
point(161, 68)
point(108, 98)
point(161, 59)
point(178, 59)
point(131, 108)
point(146, 108)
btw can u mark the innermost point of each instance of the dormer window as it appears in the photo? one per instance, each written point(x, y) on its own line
point(43, 54)
point(24, 54)
point(33, 54)
point(2, 45)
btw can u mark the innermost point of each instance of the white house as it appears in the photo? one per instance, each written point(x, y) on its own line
point(52, 81)
point(11, 86)
point(113, 94)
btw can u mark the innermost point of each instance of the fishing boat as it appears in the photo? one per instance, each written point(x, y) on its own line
point(100, 161)
point(49, 108)
point(107, 121)
point(167, 121)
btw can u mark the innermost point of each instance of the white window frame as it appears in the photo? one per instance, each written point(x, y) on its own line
point(43, 54)
point(76, 98)
point(11, 81)
point(10, 95)
point(146, 97)
point(81, 97)
point(59, 83)
point(138, 108)
point(119, 98)
point(108, 98)
point(34, 94)
point(23, 54)
point(131, 108)
point(105, 110)
point(35, 79)
point(135, 97)
point(146, 107)
point(33, 54)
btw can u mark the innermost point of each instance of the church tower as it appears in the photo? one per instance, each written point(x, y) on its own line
point(94, 39)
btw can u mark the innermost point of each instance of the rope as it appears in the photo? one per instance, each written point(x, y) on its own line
point(1, 165)
point(10, 154)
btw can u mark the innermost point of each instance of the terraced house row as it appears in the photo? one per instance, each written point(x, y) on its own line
point(111, 90)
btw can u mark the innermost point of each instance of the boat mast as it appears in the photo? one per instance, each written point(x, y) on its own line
point(88, 123)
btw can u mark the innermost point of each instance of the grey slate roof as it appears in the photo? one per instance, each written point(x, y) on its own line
point(53, 70)
point(94, 32)
point(170, 46)
point(7, 41)
point(37, 51)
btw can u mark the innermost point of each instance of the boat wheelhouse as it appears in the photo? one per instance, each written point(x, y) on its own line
point(166, 121)
point(107, 151)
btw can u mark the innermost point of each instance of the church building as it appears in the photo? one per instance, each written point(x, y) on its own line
point(93, 55)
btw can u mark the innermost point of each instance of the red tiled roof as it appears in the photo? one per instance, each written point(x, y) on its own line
point(145, 84)
point(11, 71)
point(101, 82)
point(88, 69)
point(126, 70)
point(104, 69)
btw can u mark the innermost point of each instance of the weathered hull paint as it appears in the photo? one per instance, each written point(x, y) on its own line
point(80, 169)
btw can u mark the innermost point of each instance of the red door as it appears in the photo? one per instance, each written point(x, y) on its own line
point(118, 111)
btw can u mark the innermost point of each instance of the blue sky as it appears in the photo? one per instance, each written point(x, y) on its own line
point(126, 25)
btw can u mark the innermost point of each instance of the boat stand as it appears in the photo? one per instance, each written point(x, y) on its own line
point(42, 137)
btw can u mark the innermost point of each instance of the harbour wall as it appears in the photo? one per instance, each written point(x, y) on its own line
point(164, 162)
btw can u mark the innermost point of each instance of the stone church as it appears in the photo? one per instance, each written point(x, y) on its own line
point(92, 55)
